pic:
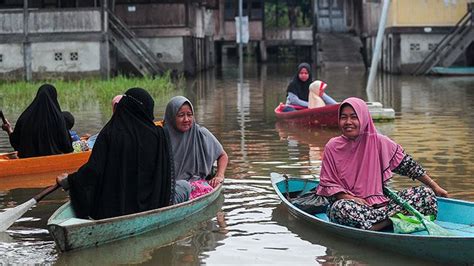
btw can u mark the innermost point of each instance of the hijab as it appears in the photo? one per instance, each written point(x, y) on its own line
point(298, 87)
point(129, 169)
point(69, 119)
point(41, 129)
point(116, 100)
point(359, 167)
point(316, 91)
point(195, 150)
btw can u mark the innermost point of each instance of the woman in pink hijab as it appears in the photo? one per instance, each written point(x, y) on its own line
point(356, 166)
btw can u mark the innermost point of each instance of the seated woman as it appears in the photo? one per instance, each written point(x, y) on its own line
point(298, 89)
point(357, 165)
point(41, 129)
point(129, 169)
point(194, 149)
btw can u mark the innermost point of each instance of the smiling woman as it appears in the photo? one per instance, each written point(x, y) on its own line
point(357, 165)
point(195, 149)
point(348, 121)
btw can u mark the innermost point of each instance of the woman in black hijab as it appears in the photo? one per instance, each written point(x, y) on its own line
point(40, 130)
point(298, 89)
point(129, 169)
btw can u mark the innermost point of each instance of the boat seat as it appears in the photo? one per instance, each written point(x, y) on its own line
point(462, 229)
point(322, 216)
point(73, 221)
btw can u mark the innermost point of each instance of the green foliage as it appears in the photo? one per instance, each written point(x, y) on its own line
point(277, 13)
point(87, 94)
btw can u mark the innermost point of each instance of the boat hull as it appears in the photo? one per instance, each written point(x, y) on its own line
point(43, 164)
point(455, 215)
point(327, 116)
point(70, 233)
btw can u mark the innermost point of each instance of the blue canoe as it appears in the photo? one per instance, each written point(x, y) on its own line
point(454, 215)
point(71, 233)
point(453, 71)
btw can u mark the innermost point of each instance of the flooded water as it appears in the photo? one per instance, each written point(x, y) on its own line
point(433, 123)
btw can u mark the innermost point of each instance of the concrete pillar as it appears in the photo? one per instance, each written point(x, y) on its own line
point(104, 44)
point(26, 44)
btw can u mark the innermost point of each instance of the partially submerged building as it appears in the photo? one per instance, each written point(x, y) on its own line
point(74, 39)
point(420, 35)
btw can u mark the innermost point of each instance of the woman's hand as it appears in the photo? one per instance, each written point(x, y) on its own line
point(216, 180)
point(440, 192)
point(361, 201)
point(7, 127)
point(62, 181)
point(345, 196)
point(437, 189)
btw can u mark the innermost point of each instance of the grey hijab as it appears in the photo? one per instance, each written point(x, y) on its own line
point(195, 150)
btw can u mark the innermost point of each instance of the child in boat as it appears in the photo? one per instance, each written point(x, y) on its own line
point(298, 89)
point(356, 166)
point(77, 143)
point(316, 91)
point(69, 118)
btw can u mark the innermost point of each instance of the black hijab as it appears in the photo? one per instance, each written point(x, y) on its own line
point(129, 169)
point(298, 87)
point(41, 130)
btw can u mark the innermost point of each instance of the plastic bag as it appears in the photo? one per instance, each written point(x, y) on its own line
point(311, 203)
point(403, 224)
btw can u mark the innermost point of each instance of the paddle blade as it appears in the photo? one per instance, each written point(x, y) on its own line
point(431, 227)
point(435, 230)
point(8, 217)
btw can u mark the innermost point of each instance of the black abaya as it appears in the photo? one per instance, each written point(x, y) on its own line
point(41, 130)
point(129, 169)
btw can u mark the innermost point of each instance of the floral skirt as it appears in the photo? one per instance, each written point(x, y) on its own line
point(351, 213)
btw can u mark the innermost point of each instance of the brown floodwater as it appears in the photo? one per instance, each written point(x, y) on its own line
point(434, 123)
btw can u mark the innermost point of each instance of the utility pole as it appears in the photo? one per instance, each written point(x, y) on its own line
point(378, 49)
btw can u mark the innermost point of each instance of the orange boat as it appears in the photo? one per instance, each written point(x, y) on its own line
point(11, 166)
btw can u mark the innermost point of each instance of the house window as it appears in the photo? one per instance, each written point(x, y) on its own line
point(74, 56)
point(431, 46)
point(1, 58)
point(58, 56)
point(414, 47)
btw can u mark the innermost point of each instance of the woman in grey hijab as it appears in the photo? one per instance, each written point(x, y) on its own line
point(194, 148)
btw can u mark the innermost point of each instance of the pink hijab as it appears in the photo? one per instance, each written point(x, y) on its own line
point(357, 167)
point(116, 100)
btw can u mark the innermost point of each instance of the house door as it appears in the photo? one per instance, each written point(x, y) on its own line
point(331, 16)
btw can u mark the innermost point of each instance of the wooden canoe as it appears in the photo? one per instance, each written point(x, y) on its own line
point(456, 216)
point(43, 164)
point(71, 233)
point(137, 249)
point(327, 116)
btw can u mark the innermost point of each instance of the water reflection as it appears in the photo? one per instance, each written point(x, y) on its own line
point(194, 236)
point(339, 251)
point(432, 123)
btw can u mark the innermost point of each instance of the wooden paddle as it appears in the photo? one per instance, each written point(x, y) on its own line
point(431, 227)
point(8, 217)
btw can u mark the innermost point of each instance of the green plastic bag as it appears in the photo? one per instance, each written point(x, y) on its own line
point(403, 224)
